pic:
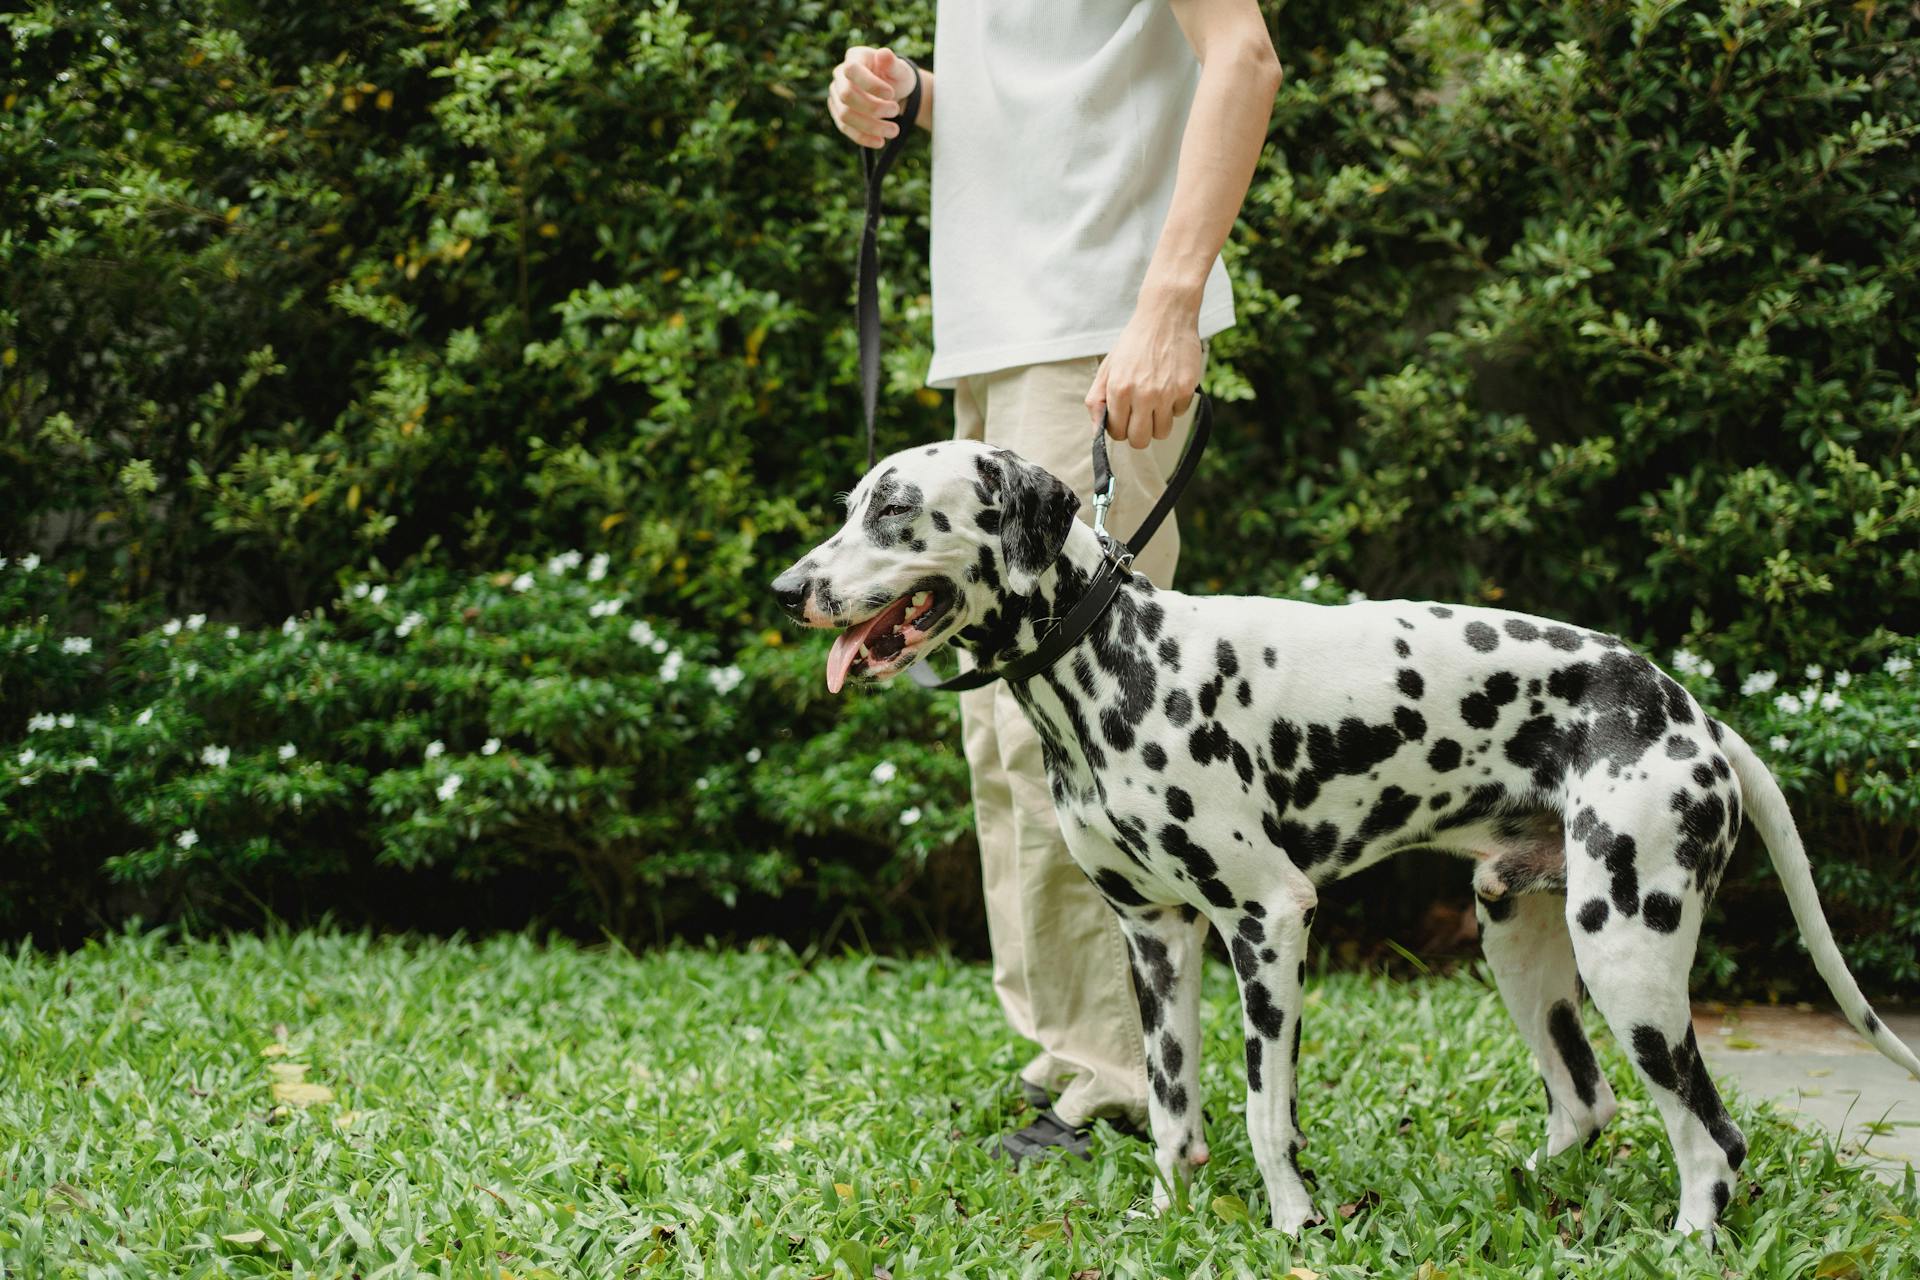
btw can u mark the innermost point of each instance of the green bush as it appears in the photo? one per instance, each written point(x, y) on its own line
point(1604, 310)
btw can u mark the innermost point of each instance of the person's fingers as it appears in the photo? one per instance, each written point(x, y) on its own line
point(1181, 404)
point(1145, 424)
point(1097, 394)
point(1120, 409)
point(874, 84)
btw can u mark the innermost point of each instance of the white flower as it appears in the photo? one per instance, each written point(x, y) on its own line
point(28, 779)
point(1355, 597)
point(641, 632)
point(448, 786)
point(564, 561)
point(144, 717)
point(1897, 665)
point(290, 626)
point(1779, 742)
point(910, 816)
point(523, 583)
point(1788, 703)
point(1689, 663)
point(436, 749)
point(216, 756)
point(1310, 583)
point(27, 757)
point(172, 627)
point(490, 747)
point(67, 720)
point(1842, 679)
point(753, 755)
point(1759, 682)
point(288, 751)
point(883, 772)
point(605, 608)
point(233, 633)
point(187, 839)
point(76, 644)
point(1831, 700)
point(597, 567)
point(701, 783)
point(409, 623)
point(378, 595)
point(670, 669)
point(30, 562)
point(3, 562)
point(196, 622)
point(36, 723)
point(85, 763)
point(360, 590)
point(1814, 671)
point(659, 645)
point(725, 679)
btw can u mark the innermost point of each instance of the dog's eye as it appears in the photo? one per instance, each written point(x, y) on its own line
point(891, 510)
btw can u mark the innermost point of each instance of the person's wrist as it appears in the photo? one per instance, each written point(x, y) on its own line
point(1174, 301)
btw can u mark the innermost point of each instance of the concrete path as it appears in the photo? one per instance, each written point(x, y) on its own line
point(1810, 1062)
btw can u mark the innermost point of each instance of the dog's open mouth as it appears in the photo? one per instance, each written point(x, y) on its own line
point(889, 640)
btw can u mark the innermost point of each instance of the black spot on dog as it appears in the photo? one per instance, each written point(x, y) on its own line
point(1439, 611)
point(1440, 800)
point(1179, 708)
point(1283, 745)
point(1410, 683)
point(1563, 1021)
point(1266, 1017)
point(1253, 1063)
point(1179, 803)
point(1681, 747)
point(1703, 775)
point(1170, 653)
point(1244, 694)
point(1479, 711)
point(1305, 846)
point(1402, 648)
point(1522, 630)
point(940, 521)
point(1715, 729)
point(1677, 1068)
point(1118, 888)
point(1482, 637)
point(1269, 656)
point(1593, 915)
point(1226, 659)
point(1661, 911)
point(1563, 638)
point(1497, 909)
point(1411, 724)
point(1251, 929)
point(1721, 1195)
point(1444, 757)
point(1154, 756)
point(1208, 743)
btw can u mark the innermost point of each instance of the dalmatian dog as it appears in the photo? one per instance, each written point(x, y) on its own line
point(1213, 761)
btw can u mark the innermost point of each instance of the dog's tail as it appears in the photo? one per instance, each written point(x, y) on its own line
point(1771, 817)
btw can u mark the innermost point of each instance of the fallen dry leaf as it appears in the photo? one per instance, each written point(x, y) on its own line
point(299, 1093)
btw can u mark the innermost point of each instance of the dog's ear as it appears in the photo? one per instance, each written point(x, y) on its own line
point(1036, 514)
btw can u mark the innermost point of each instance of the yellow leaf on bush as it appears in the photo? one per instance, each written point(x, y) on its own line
point(1043, 1230)
point(607, 522)
point(385, 100)
point(928, 397)
point(353, 497)
point(1301, 1273)
point(843, 1190)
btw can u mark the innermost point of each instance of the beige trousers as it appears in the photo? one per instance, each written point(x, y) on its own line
point(1059, 961)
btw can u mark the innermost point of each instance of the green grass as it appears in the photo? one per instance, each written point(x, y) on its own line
point(523, 1109)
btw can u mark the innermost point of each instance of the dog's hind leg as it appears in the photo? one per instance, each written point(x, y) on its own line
point(1165, 947)
point(1268, 941)
point(1634, 951)
point(1531, 954)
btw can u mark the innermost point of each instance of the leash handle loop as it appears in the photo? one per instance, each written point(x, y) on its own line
point(876, 164)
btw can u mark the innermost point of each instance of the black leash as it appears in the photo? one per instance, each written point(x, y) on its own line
point(1116, 566)
point(877, 164)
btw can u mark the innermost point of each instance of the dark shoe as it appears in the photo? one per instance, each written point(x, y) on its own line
point(1036, 1095)
point(1049, 1135)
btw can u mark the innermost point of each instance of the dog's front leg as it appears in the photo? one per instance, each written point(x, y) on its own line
point(1269, 946)
point(1165, 947)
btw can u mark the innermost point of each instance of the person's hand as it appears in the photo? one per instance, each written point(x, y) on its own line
point(868, 88)
point(1148, 379)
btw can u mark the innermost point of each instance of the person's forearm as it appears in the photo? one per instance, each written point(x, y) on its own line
point(1226, 128)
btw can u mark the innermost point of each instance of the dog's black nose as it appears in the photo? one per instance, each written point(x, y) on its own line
point(790, 589)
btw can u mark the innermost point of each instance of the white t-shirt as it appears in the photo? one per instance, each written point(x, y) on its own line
point(1056, 134)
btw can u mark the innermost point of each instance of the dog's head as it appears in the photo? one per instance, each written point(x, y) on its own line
point(935, 539)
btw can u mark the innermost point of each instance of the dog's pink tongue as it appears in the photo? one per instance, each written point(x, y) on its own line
point(846, 647)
